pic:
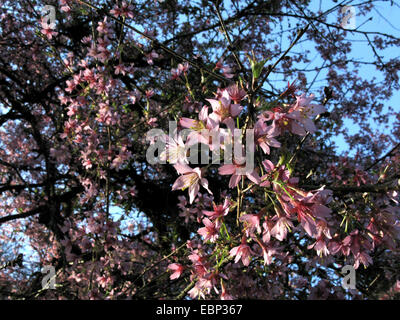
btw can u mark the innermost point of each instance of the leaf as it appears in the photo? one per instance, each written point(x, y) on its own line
point(256, 66)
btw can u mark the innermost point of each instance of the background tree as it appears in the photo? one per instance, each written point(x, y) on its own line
point(77, 101)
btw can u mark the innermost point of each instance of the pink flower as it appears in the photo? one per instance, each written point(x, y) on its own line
point(252, 222)
point(235, 93)
point(150, 56)
point(177, 270)
point(219, 210)
point(226, 70)
point(223, 109)
point(49, 33)
point(298, 119)
point(209, 232)
point(287, 121)
point(209, 281)
point(178, 71)
point(199, 266)
point(175, 150)
point(264, 136)
point(125, 10)
point(243, 252)
point(196, 124)
point(197, 291)
point(152, 122)
point(104, 27)
point(190, 178)
point(87, 163)
point(225, 295)
point(268, 252)
point(183, 67)
point(303, 111)
point(267, 226)
point(283, 175)
point(340, 246)
point(281, 227)
point(307, 109)
point(364, 258)
point(358, 242)
point(360, 177)
point(48, 30)
point(104, 281)
point(323, 229)
point(175, 74)
point(149, 93)
point(120, 69)
point(236, 171)
point(308, 210)
point(321, 196)
point(202, 128)
point(320, 246)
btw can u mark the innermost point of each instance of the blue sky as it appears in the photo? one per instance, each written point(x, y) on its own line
point(385, 19)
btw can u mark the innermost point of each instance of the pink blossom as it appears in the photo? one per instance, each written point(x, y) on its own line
point(267, 227)
point(223, 109)
point(283, 121)
point(177, 270)
point(152, 122)
point(124, 10)
point(48, 30)
point(226, 70)
point(236, 93)
point(183, 67)
point(104, 281)
point(197, 291)
point(87, 164)
point(209, 232)
point(219, 211)
point(224, 294)
point(343, 247)
point(190, 178)
point(203, 128)
point(320, 246)
point(281, 227)
point(104, 27)
point(308, 210)
point(236, 171)
point(264, 136)
point(268, 251)
point(252, 223)
point(242, 251)
point(362, 257)
point(175, 150)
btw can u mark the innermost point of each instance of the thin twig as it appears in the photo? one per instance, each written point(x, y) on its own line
point(230, 44)
point(159, 44)
point(270, 69)
point(383, 157)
